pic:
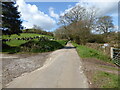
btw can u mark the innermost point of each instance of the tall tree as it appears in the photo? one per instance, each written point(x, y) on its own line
point(73, 15)
point(105, 24)
point(11, 23)
point(78, 22)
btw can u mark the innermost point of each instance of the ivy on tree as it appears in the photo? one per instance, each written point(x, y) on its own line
point(11, 23)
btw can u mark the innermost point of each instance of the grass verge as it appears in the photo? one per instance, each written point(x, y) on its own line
point(109, 67)
point(86, 52)
point(99, 78)
point(105, 80)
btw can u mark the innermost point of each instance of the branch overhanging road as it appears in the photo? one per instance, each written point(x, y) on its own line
point(63, 69)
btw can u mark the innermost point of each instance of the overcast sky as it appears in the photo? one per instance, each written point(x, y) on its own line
point(46, 14)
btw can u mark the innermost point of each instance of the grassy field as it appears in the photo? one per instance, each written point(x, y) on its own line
point(22, 35)
point(19, 42)
point(35, 45)
point(106, 80)
point(86, 52)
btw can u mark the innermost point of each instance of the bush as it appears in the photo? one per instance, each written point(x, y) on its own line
point(44, 39)
point(9, 49)
point(97, 39)
point(42, 46)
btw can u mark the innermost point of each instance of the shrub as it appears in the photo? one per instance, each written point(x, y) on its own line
point(97, 39)
point(9, 49)
point(42, 46)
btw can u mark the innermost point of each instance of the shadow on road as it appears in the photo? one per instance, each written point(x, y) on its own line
point(67, 47)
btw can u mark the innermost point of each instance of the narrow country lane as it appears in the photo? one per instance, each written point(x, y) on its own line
point(63, 69)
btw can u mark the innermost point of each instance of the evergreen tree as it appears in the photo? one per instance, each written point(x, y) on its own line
point(11, 23)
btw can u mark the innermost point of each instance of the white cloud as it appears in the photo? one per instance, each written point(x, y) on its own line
point(104, 6)
point(67, 10)
point(32, 16)
point(114, 14)
point(101, 0)
point(116, 27)
point(52, 13)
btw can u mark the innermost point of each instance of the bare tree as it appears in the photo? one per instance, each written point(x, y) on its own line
point(77, 22)
point(105, 24)
point(37, 27)
point(61, 33)
point(73, 15)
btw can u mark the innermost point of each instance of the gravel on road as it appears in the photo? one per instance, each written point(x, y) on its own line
point(15, 65)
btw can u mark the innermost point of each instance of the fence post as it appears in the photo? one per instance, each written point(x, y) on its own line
point(111, 52)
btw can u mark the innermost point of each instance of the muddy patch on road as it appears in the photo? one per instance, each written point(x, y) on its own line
point(18, 64)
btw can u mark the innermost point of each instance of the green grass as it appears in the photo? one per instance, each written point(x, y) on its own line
point(109, 67)
point(86, 52)
point(100, 79)
point(105, 80)
point(23, 35)
point(32, 46)
point(17, 43)
point(9, 49)
point(35, 47)
point(62, 42)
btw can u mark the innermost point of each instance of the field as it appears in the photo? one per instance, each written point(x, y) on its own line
point(15, 42)
point(22, 35)
point(34, 45)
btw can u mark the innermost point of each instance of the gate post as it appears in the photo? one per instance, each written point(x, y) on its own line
point(111, 52)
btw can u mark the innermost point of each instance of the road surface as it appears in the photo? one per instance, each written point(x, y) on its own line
point(63, 69)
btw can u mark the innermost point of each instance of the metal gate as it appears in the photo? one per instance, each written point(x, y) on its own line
point(115, 55)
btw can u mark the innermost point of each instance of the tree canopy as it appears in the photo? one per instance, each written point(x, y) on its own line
point(104, 24)
point(11, 23)
point(77, 23)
